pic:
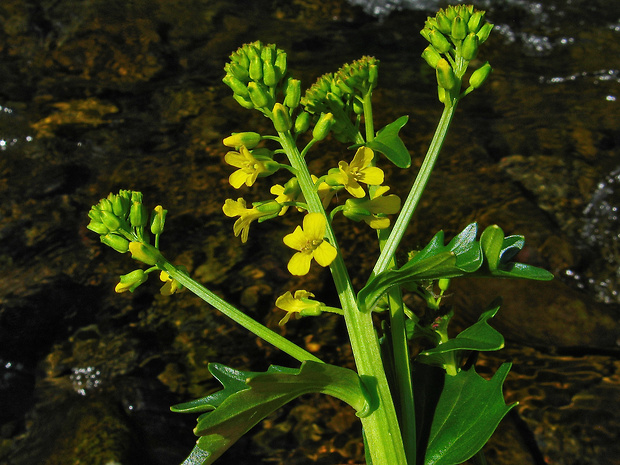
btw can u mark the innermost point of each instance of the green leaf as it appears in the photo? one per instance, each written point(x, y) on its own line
point(463, 255)
point(436, 260)
point(388, 142)
point(468, 411)
point(248, 397)
point(480, 337)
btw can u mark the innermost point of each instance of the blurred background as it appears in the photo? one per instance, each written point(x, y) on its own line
point(101, 95)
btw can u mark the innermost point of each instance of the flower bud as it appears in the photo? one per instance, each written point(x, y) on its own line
point(248, 139)
point(243, 101)
point(323, 126)
point(130, 281)
point(110, 220)
point(118, 243)
point(256, 68)
point(280, 63)
point(238, 87)
point(484, 32)
point(443, 284)
point(138, 215)
point(292, 93)
point(120, 205)
point(373, 75)
point(258, 95)
point(459, 28)
point(431, 56)
point(270, 75)
point(478, 77)
point(439, 41)
point(469, 49)
point(475, 21)
point(158, 219)
point(443, 95)
point(105, 204)
point(237, 71)
point(443, 23)
point(445, 75)
point(281, 119)
point(302, 122)
point(98, 227)
point(269, 207)
point(146, 253)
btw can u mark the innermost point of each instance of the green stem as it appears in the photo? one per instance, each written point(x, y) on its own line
point(368, 120)
point(381, 428)
point(413, 199)
point(239, 317)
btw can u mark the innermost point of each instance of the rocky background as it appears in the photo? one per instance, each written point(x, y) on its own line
point(101, 95)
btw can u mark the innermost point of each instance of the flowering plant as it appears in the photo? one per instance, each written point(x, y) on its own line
point(455, 409)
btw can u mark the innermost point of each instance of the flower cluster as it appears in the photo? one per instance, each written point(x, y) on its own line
point(455, 34)
point(124, 224)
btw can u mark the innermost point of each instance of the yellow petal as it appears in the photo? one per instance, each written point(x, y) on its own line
point(296, 240)
point(238, 178)
point(234, 207)
point(325, 253)
point(378, 223)
point(314, 226)
point(362, 157)
point(387, 205)
point(372, 175)
point(235, 159)
point(355, 189)
point(299, 264)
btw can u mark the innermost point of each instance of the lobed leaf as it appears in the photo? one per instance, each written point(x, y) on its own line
point(248, 397)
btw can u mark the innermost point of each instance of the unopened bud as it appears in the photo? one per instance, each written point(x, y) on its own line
point(439, 41)
point(238, 87)
point(110, 220)
point(243, 101)
point(443, 23)
point(138, 215)
point(323, 126)
point(292, 93)
point(118, 243)
point(258, 95)
point(281, 119)
point(445, 75)
point(256, 68)
point(248, 139)
point(475, 21)
point(145, 253)
point(158, 220)
point(478, 77)
point(469, 49)
point(431, 56)
point(130, 281)
point(120, 204)
point(459, 28)
point(270, 76)
point(302, 122)
point(98, 227)
point(484, 32)
point(280, 63)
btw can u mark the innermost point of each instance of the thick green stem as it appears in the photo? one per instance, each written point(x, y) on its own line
point(413, 199)
point(381, 428)
point(239, 317)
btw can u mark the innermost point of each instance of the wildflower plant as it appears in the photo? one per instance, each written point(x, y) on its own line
point(455, 410)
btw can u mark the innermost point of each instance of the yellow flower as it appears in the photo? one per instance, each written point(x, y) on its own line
point(171, 286)
point(250, 167)
point(310, 244)
point(360, 170)
point(374, 209)
point(325, 191)
point(289, 192)
point(130, 281)
point(237, 207)
point(300, 305)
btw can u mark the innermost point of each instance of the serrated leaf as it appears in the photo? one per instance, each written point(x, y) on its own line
point(467, 413)
point(240, 406)
point(388, 142)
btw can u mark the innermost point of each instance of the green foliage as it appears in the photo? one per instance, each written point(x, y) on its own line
point(461, 420)
point(463, 255)
point(248, 397)
point(388, 142)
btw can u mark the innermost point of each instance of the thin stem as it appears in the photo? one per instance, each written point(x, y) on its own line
point(239, 317)
point(381, 427)
point(368, 120)
point(413, 199)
